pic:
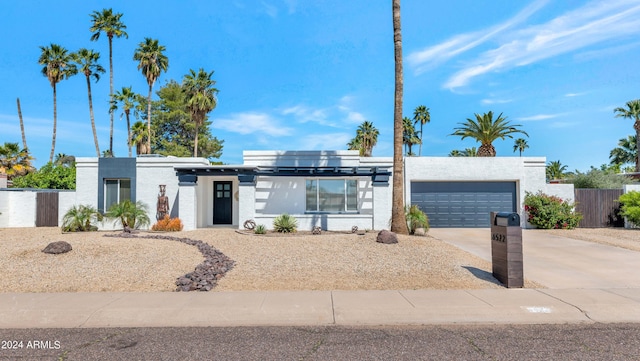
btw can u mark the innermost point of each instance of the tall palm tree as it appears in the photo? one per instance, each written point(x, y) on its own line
point(201, 99)
point(128, 98)
point(520, 144)
point(455, 153)
point(468, 152)
point(57, 67)
point(632, 111)
point(485, 130)
point(87, 61)
point(398, 218)
point(139, 137)
point(409, 136)
point(422, 116)
point(109, 23)
point(555, 170)
point(356, 144)
point(64, 160)
point(367, 136)
point(626, 152)
point(151, 61)
point(14, 161)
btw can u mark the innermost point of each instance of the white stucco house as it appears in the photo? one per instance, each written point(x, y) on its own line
point(331, 189)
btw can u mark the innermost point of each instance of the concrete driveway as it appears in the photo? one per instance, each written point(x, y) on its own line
point(555, 261)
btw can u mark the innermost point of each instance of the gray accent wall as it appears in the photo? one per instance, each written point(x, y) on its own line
point(115, 168)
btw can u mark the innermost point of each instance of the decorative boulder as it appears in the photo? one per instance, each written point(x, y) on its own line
point(420, 232)
point(387, 237)
point(57, 247)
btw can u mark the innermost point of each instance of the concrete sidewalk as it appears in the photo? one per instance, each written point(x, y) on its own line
point(310, 308)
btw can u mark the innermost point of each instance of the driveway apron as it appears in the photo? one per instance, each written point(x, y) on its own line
point(554, 261)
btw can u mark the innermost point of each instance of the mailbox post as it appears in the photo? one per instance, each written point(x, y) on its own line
point(506, 249)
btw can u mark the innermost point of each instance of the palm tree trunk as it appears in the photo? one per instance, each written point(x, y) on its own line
point(126, 112)
point(93, 123)
point(195, 141)
point(149, 120)
point(398, 219)
point(55, 121)
point(24, 138)
point(111, 96)
point(420, 149)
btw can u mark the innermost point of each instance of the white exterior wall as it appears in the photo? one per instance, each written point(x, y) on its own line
point(527, 172)
point(87, 182)
point(18, 208)
point(187, 205)
point(66, 200)
point(564, 191)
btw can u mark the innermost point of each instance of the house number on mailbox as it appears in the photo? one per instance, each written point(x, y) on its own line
point(498, 237)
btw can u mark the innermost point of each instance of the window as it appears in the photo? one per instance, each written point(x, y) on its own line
point(332, 195)
point(116, 191)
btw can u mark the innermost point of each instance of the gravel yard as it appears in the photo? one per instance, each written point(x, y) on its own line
point(329, 261)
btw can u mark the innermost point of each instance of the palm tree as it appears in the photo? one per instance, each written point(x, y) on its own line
point(367, 136)
point(409, 136)
point(398, 217)
point(632, 111)
point(520, 144)
point(555, 170)
point(356, 144)
point(128, 98)
point(626, 152)
point(421, 115)
point(201, 99)
point(151, 61)
point(87, 61)
point(139, 137)
point(455, 153)
point(57, 67)
point(110, 24)
point(14, 161)
point(468, 152)
point(486, 130)
point(129, 214)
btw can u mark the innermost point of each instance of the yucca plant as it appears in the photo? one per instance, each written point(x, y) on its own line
point(129, 214)
point(260, 229)
point(285, 223)
point(81, 218)
point(416, 218)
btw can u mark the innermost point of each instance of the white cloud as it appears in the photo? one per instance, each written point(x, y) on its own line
point(250, 123)
point(325, 141)
point(571, 95)
point(591, 24)
point(538, 117)
point(495, 101)
point(438, 54)
point(306, 114)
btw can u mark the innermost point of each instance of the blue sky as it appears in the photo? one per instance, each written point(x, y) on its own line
point(302, 75)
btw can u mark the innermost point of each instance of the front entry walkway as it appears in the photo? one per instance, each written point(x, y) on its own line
point(555, 261)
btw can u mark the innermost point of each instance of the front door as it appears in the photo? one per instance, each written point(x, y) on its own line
point(222, 202)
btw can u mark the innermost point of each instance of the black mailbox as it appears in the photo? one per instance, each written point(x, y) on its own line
point(506, 219)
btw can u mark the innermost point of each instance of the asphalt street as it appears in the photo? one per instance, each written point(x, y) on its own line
point(451, 342)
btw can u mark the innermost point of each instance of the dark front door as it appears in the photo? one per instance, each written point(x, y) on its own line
point(222, 202)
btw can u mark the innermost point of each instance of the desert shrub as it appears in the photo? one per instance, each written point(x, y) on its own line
point(129, 214)
point(416, 218)
point(545, 211)
point(285, 223)
point(81, 218)
point(50, 176)
point(168, 224)
point(631, 207)
point(260, 229)
point(599, 178)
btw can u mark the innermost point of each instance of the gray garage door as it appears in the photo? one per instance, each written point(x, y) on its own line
point(463, 204)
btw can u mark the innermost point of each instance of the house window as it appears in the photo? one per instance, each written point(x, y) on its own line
point(116, 191)
point(332, 195)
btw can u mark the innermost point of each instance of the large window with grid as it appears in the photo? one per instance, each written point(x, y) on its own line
point(116, 191)
point(332, 195)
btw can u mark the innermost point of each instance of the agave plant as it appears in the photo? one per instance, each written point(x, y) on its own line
point(285, 223)
point(129, 214)
point(81, 218)
point(260, 229)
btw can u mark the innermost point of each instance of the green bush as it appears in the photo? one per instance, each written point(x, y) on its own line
point(260, 229)
point(129, 214)
point(416, 218)
point(549, 212)
point(81, 219)
point(285, 223)
point(631, 207)
point(50, 176)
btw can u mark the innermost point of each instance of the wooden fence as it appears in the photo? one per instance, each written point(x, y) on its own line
point(599, 207)
point(47, 209)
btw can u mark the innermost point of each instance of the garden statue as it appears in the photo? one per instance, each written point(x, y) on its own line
point(163, 203)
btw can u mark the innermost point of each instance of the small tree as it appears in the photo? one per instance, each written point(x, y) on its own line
point(631, 207)
point(81, 218)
